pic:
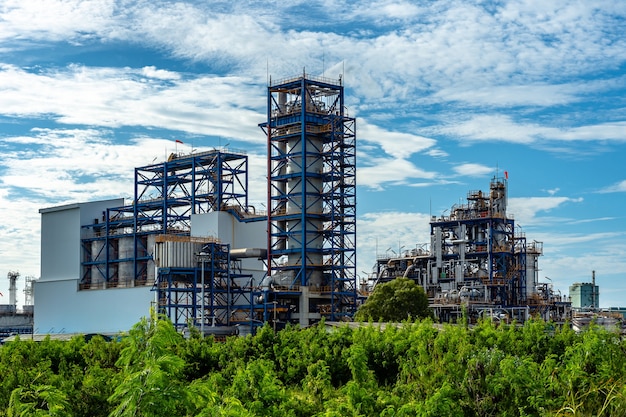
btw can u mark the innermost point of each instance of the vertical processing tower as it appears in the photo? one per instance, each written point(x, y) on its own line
point(311, 146)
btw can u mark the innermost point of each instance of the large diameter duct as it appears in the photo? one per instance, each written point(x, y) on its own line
point(258, 253)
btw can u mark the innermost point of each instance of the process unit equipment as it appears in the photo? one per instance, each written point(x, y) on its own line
point(191, 245)
point(12, 320)
point(477, 259)
point(150, 242)
point(311, 201)
point(118, 246)
point(586, 295)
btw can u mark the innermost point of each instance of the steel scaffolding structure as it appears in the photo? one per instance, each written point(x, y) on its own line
point(311, 146)
point(116, 247)
point(476, 258)
point(200, 296)
point(476, 246)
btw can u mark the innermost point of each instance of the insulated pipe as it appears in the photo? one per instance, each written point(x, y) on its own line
point(409, 269)
point(421, 280)
point(259, 253)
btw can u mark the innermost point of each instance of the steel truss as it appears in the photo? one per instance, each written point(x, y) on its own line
point(165, 197)
point(312, 191)
point(495, 249)
point(181, 290)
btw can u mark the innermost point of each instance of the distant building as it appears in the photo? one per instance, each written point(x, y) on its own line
point(584, 296)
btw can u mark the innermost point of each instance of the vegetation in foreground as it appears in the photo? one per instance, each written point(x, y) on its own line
point(414, 369)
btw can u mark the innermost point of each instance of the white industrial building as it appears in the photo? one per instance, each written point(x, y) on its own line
point(65, 305)
point(190, 245)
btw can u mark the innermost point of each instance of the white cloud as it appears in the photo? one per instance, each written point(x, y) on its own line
point(447, 46)
point(114, 97)
point(618, 187)
point(389, 171)
point(512, 95)
point(501, 127)
point(153, 72)
point(473, 170)
point(78, 165)
point(54, 20)
point(526, 210)
point(397, 144)
point(493, 128)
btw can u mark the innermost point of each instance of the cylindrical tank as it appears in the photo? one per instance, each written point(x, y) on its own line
point(531, 274)
point(126, 255)
point(98, 271)
point(151, 247)
point(309, 231)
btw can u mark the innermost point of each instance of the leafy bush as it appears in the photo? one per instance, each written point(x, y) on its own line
point(410, 369)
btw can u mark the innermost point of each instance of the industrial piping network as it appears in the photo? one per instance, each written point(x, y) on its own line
point(479, 260)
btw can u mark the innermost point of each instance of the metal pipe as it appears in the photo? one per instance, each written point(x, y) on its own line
point(259, 253)
point(202, 296)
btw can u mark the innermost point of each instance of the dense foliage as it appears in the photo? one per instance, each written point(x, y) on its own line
point(414, 369)
point(397, 300)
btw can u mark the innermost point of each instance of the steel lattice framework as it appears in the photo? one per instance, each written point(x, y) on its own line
point(488, 241)
point(180, 290)
point(311, 176)
point(165, 196)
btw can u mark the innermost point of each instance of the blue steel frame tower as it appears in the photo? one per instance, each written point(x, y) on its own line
point(166, 195)
point(117, 248)
point(311, 173)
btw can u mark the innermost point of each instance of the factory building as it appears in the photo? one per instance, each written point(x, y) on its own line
point(104, 263)
point(585, 296)
point(15, 321)
point(190, 245)
point(478, 259)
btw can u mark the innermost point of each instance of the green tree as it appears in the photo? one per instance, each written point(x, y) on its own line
point(38, 400)
point(395, 301)
point(151, 372)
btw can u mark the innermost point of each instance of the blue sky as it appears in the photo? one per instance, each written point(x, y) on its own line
point(447, 94)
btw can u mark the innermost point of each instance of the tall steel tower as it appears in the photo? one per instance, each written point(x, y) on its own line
point(311, 174)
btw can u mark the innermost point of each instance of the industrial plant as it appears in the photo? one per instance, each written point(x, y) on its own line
point(478, 260)
point(190, 245)
point(13, 320)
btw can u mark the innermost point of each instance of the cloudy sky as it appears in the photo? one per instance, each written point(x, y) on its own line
point(447, 94)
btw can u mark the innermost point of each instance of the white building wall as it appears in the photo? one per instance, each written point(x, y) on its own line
point(229, 229)
point(60, 237)
point(61, 308)
point(239, 235)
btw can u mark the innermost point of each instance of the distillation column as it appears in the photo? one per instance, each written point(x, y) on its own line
point(311, 184)
point(13, 276)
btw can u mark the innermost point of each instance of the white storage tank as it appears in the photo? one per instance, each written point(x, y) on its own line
point(126, 268)
point(98, 271)
point(151, 247)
